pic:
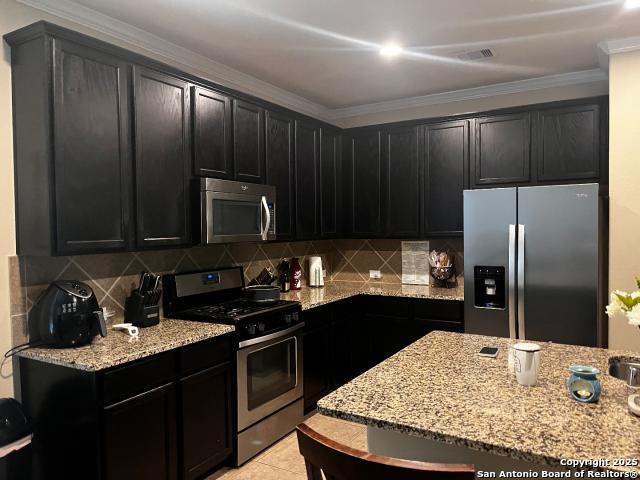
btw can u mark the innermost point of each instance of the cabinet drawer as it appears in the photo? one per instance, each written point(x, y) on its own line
point(439, 309)
point(131, 379)
point(204, 354)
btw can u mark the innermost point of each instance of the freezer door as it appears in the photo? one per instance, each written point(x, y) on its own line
point(558, 294)
point(489, 216)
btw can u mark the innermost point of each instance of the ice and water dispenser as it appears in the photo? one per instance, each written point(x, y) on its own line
point(489, 283)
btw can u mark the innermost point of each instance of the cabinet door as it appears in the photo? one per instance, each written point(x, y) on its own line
point(502, 149)
point(363, 189)
point(211, 134)
point(446, 164)
point(401, 179)
point(162, 159)
point(206, 420)
point(329, 183)
point(93, 180)
point(568, 143)
point(279, 170)
point(139, 436)
point(248, 150)
point(307, 194)
point(317, 365)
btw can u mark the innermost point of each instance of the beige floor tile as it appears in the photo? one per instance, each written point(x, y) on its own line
point(259, 471)
point(287, 457)
point(338, 430)
point(358, 442)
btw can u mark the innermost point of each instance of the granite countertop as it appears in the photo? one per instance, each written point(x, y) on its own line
point(311, 297)
point(440, 389)
point(118, 348)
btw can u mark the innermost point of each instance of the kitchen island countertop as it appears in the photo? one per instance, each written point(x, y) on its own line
point(438, 388)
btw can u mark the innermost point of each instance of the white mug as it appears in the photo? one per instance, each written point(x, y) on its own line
point(526, 363)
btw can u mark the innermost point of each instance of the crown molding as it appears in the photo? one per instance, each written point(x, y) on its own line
point(518, 86)
point(618, 45)
point(198, 64)
point(178, 56)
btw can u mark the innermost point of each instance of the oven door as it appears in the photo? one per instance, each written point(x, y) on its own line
point(269, 374)
point(233, 217)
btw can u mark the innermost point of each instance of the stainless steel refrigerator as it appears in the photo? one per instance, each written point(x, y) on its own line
point(534, 263)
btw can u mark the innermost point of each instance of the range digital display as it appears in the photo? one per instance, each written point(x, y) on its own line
point(210, 278)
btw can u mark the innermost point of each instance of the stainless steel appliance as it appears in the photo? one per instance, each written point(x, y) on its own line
point(534, 264)
point(236, 211)
point(269, 352)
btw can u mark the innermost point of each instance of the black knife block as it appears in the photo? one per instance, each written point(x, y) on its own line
point(138, 314)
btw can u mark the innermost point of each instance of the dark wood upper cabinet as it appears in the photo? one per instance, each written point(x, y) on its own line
point(148, 422)
point(280, 170)
point(206, 420)
point(502, 149)
point(567, 143)
point(363, 194)
point(446, 163)
point(162, 158)
point(248, 142)
point(92, 159)
point(401, 182)
point(212, 153)
point(330, 150)
point(306, 171)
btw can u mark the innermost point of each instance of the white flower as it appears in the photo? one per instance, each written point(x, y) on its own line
point(635, 294)
point(634, 316)
point(615, 305)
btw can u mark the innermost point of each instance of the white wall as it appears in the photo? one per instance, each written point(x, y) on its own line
point(624, 187)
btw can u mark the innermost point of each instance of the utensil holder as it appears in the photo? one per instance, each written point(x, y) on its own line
point(139, 314)
point(442, 276)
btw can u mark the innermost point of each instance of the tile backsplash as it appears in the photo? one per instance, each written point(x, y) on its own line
point(113, 276)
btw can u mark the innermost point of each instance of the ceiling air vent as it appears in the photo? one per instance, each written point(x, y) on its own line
point(476, 55)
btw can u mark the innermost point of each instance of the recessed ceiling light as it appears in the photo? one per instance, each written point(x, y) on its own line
point(631, 4)
point(393, 49)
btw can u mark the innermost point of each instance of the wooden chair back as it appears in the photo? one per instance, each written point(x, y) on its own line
point(339, 462)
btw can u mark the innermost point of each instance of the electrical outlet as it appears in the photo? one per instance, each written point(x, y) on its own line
point(375, 274)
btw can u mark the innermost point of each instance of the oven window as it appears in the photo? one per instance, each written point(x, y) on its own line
point(271, 372)
point(233, 217)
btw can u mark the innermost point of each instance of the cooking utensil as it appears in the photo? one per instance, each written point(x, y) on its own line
point(262, 293)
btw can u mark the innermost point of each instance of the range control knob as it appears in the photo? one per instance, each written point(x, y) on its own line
point(287, 318)
point(251, 329)
point(295, 316)
point(261, 327)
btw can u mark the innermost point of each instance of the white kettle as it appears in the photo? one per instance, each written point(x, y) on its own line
point(316, 279)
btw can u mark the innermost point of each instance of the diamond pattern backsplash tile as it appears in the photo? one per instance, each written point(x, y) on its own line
point(113, 276)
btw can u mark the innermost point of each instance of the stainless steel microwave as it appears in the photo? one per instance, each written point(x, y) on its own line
point(236, 211)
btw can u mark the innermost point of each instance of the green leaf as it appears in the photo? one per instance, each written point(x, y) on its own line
point(638, 282)
point(626, 300)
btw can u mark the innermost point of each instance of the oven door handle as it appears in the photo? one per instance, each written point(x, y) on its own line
point(271, 336)
point(264, 233)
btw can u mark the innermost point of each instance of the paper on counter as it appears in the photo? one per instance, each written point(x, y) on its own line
point(415, 263)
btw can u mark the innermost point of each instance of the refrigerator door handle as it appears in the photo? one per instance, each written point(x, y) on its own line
point(512, 281)
point(521, 278)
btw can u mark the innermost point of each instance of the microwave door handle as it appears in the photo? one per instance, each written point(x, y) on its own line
point(267, 214)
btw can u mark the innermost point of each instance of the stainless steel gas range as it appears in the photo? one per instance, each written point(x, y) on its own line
point(268, 356)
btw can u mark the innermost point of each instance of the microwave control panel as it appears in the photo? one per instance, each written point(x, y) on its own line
point(272, 212)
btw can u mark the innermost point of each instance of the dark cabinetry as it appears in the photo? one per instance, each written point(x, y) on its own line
point(503, 149)
point(317, 358)
point(401, 182)
point(280, 170)
point(162, 417)
point(137, 430)
point(162, 158)
point(212, 153)
point(330, 182)
point(363, 197)
point(248, 149)
point(307, 184)
point(446, 165)
point(568, 143)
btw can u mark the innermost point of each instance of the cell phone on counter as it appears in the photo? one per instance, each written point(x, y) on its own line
point(491, 352)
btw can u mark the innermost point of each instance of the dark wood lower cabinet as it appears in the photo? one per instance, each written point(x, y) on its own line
point(346, 338)
point(139, 439)
point(206, 420)
point(163, 417)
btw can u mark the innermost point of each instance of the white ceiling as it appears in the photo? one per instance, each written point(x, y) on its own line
point(326, 50)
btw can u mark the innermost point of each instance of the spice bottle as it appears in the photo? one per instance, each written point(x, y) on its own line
point(296, 274)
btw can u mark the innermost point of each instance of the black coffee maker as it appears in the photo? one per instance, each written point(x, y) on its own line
point(66, 315)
